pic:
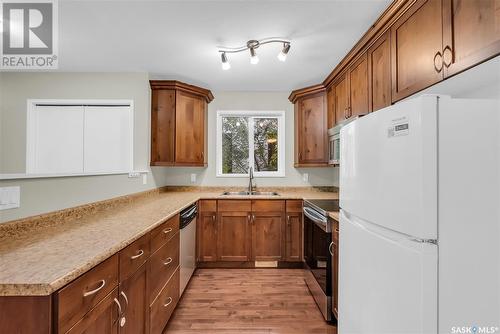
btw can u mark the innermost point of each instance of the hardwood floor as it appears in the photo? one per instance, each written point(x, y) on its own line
point(248, 301)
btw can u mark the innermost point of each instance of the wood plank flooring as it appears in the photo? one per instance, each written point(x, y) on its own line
point(247, 301)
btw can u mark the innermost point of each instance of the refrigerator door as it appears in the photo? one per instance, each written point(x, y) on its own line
point(388, 169)
point(387, 282)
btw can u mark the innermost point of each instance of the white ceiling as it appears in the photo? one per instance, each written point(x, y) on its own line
point(179, 39)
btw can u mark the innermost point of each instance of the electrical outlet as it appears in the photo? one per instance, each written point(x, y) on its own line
point(193, 178)
point(144, 178)
point(305, 177)
point(134, 174)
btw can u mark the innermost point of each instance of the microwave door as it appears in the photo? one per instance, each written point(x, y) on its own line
point(334, 147)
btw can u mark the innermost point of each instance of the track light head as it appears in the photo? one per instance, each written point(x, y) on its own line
point(254, 59)
point(282, 55)
point(225, 63)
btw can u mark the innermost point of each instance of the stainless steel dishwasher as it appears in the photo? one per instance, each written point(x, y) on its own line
point(187, 245)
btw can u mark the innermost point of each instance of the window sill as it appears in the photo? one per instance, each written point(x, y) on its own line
point(246, 176)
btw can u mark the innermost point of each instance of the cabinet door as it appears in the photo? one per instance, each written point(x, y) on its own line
point(207, 237)
point(471, 33)
point(293, 237)
point(189, 129)
point(162, 127)
point(335, 269)
point(102, 319)
point(233, 237)
point(330, 100)
point(358, 87)
point(134, 302)
point(342, 98)
point(312, 131)
point(379, 73)
point(267, 236)
point(416, 43)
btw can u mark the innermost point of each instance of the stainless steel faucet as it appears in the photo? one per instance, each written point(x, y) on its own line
point(250, 180)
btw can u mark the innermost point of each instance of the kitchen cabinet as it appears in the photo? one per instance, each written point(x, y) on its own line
point(178, 124)
point(233, 230)
point(134, 303)
point(471, 33)
point(416, 42)
point(293, 231)
point(311, 138)
point(379, 73)
point(268, 230)
point(334, 251)
point(358, 87)
point(207, 231)
point(330, 100)
point(341, 87)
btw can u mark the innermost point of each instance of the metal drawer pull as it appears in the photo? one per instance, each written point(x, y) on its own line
point(167, 230)
point(169, 260)
point(139, 254)
point(89, 293)
point(441, 61)
point(119, 307)
point(169, 301)
point(330, 248)
point(124, 297)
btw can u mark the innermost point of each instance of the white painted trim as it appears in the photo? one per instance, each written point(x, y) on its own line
point(42, 176)
point(31, 142)
point(280, 115)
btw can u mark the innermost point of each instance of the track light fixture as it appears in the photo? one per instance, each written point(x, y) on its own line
point(252, 45)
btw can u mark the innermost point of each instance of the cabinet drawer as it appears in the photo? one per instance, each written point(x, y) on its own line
point(263, 205)
point(163, 306)
point(77, 298)
point(134, 256)
point(294, 206)
point(164, 232)
point(162, 264)
point(234, 205)
point(208, 205)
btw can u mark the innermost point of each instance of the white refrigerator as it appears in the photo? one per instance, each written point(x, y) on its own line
point(420, 215)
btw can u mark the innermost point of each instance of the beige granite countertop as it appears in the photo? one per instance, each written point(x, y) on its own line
point(334, 215)
point(43, 259)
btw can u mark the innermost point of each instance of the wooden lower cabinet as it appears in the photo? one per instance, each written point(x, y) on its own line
point(335, 269)
point(103, 318)
point(134, 303)
point(207, 231)
point(164, 304)
point(233, 236)
point(267, 236)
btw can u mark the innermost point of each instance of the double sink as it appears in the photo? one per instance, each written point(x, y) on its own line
point(250, 193)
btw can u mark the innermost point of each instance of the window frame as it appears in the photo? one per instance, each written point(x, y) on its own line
point(252, 114)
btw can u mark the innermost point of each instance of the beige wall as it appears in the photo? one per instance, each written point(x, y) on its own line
point(252, 101)
point(44, 195)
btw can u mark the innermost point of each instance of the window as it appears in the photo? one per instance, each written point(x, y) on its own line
point(250, 139)
point(79, 137)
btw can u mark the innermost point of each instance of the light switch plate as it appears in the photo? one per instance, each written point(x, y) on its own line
point(144, 178)
point(193, 178)
point(10, 197)
point(305, 177)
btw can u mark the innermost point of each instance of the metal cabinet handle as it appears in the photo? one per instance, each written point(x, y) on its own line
point(139, 254)
point(213, 217)
point(96, 290)
point(288, 220)
point(253, 219)
point(124, 297)
point(441, 61)
point(346, 115)
point(169, 260)
point(167, 230)
point(169, 302)
point(447, 48)
point(249, 218)
point(330, 248)
point(119, 307)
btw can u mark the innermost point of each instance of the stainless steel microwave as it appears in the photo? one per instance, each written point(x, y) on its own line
point(334, 141)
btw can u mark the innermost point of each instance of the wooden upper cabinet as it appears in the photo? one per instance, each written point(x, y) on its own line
point(471, 33)
point(379, 73)
point(358, 87)
point(178, 124)
point(311, 137)
point(190, 129)
point(341, 98)
point(416, 43)
point(330, 100)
